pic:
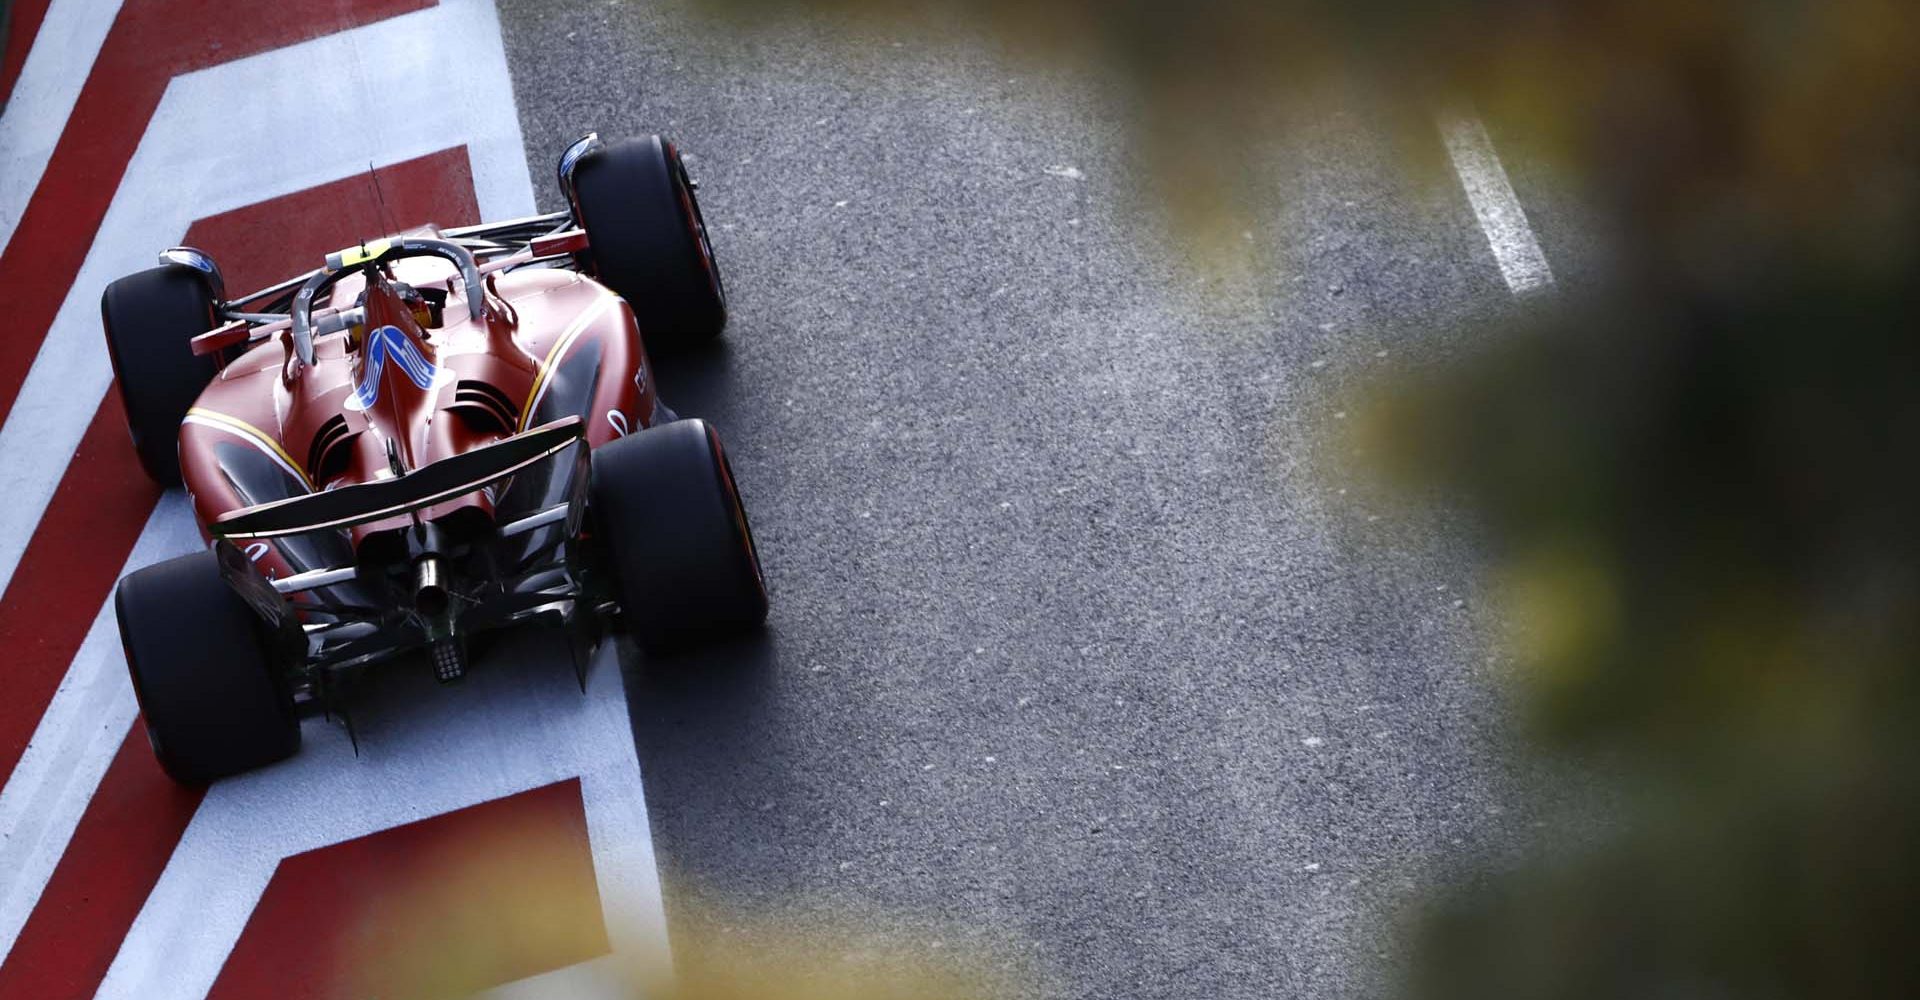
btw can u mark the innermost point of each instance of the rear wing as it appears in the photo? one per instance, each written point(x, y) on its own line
point(423, 487)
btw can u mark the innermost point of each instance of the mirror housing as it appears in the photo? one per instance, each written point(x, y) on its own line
point(200, 261)
point(569, 160)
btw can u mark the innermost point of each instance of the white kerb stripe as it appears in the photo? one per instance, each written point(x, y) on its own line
point(84, 724)
point(50, 81)
point(1495, 204)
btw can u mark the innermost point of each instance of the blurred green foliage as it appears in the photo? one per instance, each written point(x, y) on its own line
point(1697, 482)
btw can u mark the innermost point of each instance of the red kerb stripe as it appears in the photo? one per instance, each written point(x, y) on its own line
point(68, 567)
point(123, 843)
point(23, 25)
point(445, 906)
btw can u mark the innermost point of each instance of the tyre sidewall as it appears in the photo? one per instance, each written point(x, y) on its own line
point(150, 319)
point(640, 220)
point(213, 701)
point(675, 535)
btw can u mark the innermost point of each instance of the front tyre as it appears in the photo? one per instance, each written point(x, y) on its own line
point(648, 242)
point(213, 703)
point(676, 534)
point(151, 319)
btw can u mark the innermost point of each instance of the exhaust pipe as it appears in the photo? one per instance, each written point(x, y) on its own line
point(430, 587)
point(434, 603)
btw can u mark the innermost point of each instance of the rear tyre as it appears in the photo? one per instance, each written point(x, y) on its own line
point(151, 318)
point(648, 241)
point(676, 535)
point(213, 703)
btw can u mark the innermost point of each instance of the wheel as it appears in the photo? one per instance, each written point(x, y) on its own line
point(213, 703)
point(648, 242)
point(676, 535)
point(151, 318)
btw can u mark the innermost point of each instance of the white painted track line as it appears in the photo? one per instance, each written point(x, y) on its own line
point(50, 80)
point(1494, 203)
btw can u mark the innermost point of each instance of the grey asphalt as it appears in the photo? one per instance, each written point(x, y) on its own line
point(1079, 658)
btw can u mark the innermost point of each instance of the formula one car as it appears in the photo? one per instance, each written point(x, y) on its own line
point(435, 434)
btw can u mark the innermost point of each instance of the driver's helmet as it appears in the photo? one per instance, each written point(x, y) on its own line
point(416, 303)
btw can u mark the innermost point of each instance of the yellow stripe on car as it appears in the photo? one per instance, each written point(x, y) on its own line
point(558, 352)
point(254, 435)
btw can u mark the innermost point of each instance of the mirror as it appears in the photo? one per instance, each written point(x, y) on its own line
point(571, 159)
point(199, 261)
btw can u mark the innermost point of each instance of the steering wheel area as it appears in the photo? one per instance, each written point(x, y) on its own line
point(369, 255)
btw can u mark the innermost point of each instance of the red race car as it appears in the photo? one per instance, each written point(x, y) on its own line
point(433, 435)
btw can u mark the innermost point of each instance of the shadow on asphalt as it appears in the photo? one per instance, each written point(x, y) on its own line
point(700, 718)
point(697, 381)
point(704, 717)
point(695, 704)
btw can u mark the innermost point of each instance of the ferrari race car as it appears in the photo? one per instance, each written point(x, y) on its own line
point(435, 434)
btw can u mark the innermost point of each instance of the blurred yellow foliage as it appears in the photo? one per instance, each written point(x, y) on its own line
point(1560, 604)
point(1695, 481)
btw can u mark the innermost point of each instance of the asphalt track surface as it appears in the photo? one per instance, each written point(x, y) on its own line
point(1076, 657)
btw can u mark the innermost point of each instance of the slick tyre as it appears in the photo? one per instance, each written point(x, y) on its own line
point(648, 242)
point(151, 318)
point(676, 535)
point(213, 704)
